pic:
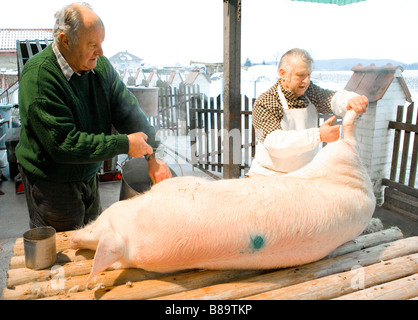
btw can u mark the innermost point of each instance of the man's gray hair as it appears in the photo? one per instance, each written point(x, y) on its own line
point(68, 21)
point(296, 52)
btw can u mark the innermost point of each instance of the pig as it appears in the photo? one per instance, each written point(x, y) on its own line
point(247, 223)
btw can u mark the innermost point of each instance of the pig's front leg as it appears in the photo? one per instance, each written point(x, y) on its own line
point(349, 125)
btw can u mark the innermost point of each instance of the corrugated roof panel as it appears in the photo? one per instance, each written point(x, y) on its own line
point(8, 37)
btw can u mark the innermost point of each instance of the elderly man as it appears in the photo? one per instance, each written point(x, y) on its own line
point(286, 117)
point(69, 98)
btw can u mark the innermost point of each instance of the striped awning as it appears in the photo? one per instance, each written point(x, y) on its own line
point(338, 2)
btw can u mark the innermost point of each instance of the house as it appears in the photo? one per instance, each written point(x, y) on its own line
point(197, 77)
point(8, 39)
point(140, 77)
point(209, 67)
point(175, 79)
point(125, 76)
point(152, 78)
point(122, 61)
point(385, 88)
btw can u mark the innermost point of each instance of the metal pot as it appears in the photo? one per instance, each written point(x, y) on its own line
point(40, 248)
point(135, 178)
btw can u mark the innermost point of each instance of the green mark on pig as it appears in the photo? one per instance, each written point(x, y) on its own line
point(257, 243)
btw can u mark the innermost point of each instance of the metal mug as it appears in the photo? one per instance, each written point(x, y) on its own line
point(135, 176)
point(40, 248)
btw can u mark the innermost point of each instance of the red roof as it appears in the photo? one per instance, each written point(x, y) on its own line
point(373, 81)
point(8, 37)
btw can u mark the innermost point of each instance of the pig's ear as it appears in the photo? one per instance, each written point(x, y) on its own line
point(109, 250)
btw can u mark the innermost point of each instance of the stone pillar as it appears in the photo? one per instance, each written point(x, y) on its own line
point(375, 139)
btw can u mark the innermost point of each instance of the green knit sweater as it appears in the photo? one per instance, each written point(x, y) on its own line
point(66, 125)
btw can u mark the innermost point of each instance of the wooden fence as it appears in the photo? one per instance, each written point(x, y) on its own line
point(187, 112)
point(402, 194)
point(207, 135)
point(173, 109)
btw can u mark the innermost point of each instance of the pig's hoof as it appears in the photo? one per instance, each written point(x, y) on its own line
point(74, 244)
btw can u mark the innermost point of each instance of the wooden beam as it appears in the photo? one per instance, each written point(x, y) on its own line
point(232, 87)
point(408, 127)
point(401, 187)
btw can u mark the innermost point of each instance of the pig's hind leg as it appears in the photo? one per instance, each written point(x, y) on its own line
point(110, 250)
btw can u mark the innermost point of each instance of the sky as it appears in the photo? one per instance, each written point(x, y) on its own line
point(169, 32)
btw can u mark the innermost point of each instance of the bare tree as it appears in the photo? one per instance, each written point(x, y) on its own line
point(276, 57)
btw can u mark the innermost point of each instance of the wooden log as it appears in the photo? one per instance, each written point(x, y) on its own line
point(343, 283)
point(291, 276)
point(60, 284)
point(401, 289)
point(163, 286)
point(368, 240)
point(20, 276)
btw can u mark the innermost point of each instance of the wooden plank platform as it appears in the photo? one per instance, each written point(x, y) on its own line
point(380, 265)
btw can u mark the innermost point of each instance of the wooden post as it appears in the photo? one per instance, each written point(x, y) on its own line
point(232, 88)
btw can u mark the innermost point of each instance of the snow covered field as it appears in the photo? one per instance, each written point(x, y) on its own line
point(258, 79)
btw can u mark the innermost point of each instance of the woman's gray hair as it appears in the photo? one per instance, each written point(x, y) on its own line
point(296, 52)
point(68, 21)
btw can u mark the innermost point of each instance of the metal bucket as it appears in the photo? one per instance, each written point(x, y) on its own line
point(147, 99)
point(135, 178)
point(40, 248)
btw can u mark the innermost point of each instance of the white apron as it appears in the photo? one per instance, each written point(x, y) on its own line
point(265, 163)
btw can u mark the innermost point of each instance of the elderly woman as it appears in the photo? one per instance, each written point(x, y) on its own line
point(286, 117)
point(69, 98)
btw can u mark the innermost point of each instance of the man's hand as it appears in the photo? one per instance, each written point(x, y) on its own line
point(138, 146)
point(358, 104)
point(158, 170)
point(329, 132)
